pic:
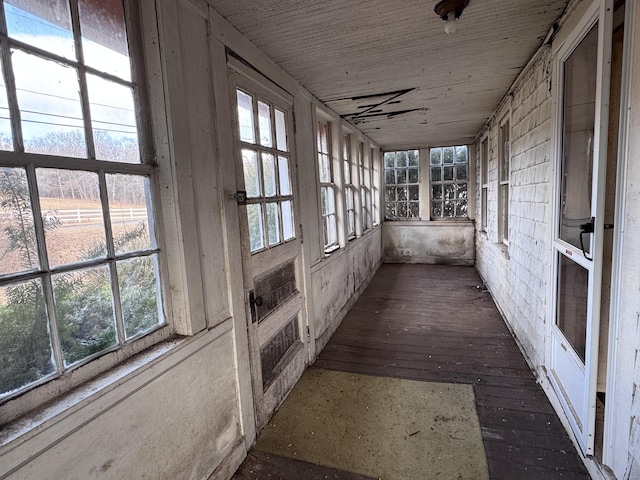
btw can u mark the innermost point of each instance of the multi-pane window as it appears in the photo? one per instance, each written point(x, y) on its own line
point(402, 184)
point(503, 181)
point(266, 161)
point(484, 182)
point(78, 252)
point(449, 176)
point(327, 188)
point(364, 191)
point(375, 186)
point(349, 189)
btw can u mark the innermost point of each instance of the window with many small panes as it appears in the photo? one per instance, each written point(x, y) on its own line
point(449, 181)
point(402, 184)
point(349, 189)
point(327, 187)
point(266, 162)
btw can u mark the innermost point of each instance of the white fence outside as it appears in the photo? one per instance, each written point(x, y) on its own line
point(87, 216)
point(79, 215)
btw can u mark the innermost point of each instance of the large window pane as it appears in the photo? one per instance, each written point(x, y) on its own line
point(18, 251)
point(288, 230)
point(414, 158)
point(580, 75)
point(264, 123)
point(402, 177)
point(46, 25)
point(436, 156)
point(113, 119)
point(129, 213)
point(139, 294)
point(256, 227)
point(104, 37)
point(49, 100)
point(25, 343)
point(390, 194)
point(72, 213)
point(269, 174)
point(449, 173)
point(284, 176)
point(390, 176)
point(273, 223)
point(571, 317)
point(251, 175)
point(67, 278)
point(414, 209)
point(281, 131)
point(447, 155)
point(245, 117)
point(332, 236)
point(6, 135)
point(84, 313)
point(402, 159)
point(461, 154)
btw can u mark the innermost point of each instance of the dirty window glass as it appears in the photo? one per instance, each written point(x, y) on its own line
point(402, 185)
point(449, 181)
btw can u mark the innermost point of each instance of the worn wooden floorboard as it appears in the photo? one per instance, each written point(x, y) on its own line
point(439, 324)
point(263, 466)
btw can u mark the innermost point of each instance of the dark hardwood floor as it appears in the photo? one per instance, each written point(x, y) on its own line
point(437, 323)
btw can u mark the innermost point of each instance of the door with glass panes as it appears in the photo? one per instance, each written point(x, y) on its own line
point(266, 181)
point(582, 79)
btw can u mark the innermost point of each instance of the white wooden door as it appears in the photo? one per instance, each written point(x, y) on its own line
point(266, 181)
point(582, 79)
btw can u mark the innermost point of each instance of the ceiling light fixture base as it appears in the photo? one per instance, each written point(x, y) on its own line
point(446, 7)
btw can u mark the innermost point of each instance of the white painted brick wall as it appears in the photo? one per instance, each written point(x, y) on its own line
point(517, 276)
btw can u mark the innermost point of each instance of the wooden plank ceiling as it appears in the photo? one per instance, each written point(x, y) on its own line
point(387, 65)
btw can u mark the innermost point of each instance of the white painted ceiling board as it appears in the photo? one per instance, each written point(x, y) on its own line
point(344, 50)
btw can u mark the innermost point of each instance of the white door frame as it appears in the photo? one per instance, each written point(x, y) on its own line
point(581, 411)
point(608, 453)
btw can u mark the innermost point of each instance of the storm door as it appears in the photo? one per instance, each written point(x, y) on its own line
point(582, 80)
point(271, 247)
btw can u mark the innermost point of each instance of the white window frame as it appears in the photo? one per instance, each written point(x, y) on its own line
point(18, 402)
point(406, 184)
point(484, 183)
point(504, 177)
point(349, 188)
point(454, 181)
point(375, 186)
point(364, 190)
point(329, 219)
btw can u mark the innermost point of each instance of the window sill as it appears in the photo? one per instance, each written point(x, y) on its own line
point(85, 402)
point(431, 223)
point(504, 248)
point(328, 251)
